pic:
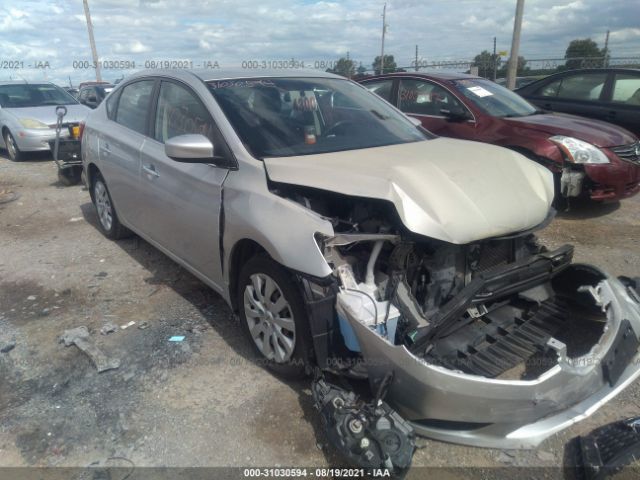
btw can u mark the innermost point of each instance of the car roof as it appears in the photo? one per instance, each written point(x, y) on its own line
point(592, 70)
point(208, 75)
point(22, 82)
point(434, 74)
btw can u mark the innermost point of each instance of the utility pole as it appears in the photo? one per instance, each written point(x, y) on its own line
point(606, 50)
point(515, 46)
point(92, 42)
point(416, 58)
point(384, 30)
point(495, 59)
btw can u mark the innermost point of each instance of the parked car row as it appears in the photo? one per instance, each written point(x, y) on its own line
point(352, 241)
point(588, 157)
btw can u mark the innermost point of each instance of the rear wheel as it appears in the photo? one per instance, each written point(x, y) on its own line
point(12, 147)
point(273, 316)
point(107, 216)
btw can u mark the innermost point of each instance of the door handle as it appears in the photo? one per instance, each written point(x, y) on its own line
point(611, 114)
point(547, 106)
point(150, 170)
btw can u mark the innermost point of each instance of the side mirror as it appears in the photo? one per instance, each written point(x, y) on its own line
point(190, 148)
point(415, 121)
point(454, 116)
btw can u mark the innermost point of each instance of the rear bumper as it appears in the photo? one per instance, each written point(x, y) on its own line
point(469, 409)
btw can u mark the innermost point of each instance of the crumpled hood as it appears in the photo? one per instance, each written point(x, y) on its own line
point(596, 132)
point(452, 190)
point(47, 114)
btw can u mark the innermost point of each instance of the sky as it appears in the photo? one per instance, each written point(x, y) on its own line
point(47, 40)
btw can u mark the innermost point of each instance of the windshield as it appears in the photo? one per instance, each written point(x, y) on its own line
point(33, 95)
point(494, 99)
point(279, 117)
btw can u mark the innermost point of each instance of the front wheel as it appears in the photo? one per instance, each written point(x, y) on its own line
point(273, 316)
point(12, 148)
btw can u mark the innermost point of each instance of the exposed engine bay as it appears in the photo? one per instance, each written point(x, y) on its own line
point(490, 343)
point(493, 308)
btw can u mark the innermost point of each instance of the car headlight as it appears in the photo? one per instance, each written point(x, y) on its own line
point(578, 151)
point(32, 123)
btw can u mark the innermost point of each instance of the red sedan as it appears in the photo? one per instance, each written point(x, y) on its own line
point(589, 157)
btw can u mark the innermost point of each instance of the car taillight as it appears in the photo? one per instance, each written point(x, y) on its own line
point(81, 131)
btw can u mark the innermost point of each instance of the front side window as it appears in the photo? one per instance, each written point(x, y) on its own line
point(381, 88)
point(626, 89)
point(180, 112)
point(33, 95)
point(277, 117)
point(134, 105)
point(426, 98)
point(494, 99)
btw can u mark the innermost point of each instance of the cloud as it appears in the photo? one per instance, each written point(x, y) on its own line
point(135, 46)
point(233, 31)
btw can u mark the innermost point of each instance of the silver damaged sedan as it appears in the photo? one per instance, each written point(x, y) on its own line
point(349, 239)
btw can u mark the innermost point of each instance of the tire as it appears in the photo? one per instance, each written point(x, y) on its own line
point(70, 176)
point(107, 216)
point(12, 147)
point(280, 327)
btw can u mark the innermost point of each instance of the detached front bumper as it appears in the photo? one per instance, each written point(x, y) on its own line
point(453, 406)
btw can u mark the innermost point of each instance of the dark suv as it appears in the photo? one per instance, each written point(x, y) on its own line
point(588, 157)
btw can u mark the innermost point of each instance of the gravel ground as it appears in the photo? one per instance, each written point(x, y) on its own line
point(204, 401)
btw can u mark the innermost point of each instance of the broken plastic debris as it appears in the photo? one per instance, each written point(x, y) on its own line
point(127, 325)
point(80, 338)
point(108, 328)
point(75, 219)
point(143, 325)
point(177, 338)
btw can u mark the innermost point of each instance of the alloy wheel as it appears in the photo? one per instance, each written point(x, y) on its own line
point(11, 146)
point(103, 205)
point(270, 318)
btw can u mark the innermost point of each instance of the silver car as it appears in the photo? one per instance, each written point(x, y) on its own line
point(347, 238)
point(28, 116)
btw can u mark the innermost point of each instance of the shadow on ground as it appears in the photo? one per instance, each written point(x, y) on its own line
point(582, 209)
point(166, 273)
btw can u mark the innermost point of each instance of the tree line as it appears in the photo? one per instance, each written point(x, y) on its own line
point(486, 61)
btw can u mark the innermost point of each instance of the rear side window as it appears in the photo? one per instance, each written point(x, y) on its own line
point(111, 105)
point(134, 105)
point(381, 88)
point(627, 89)
point(584, 86)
